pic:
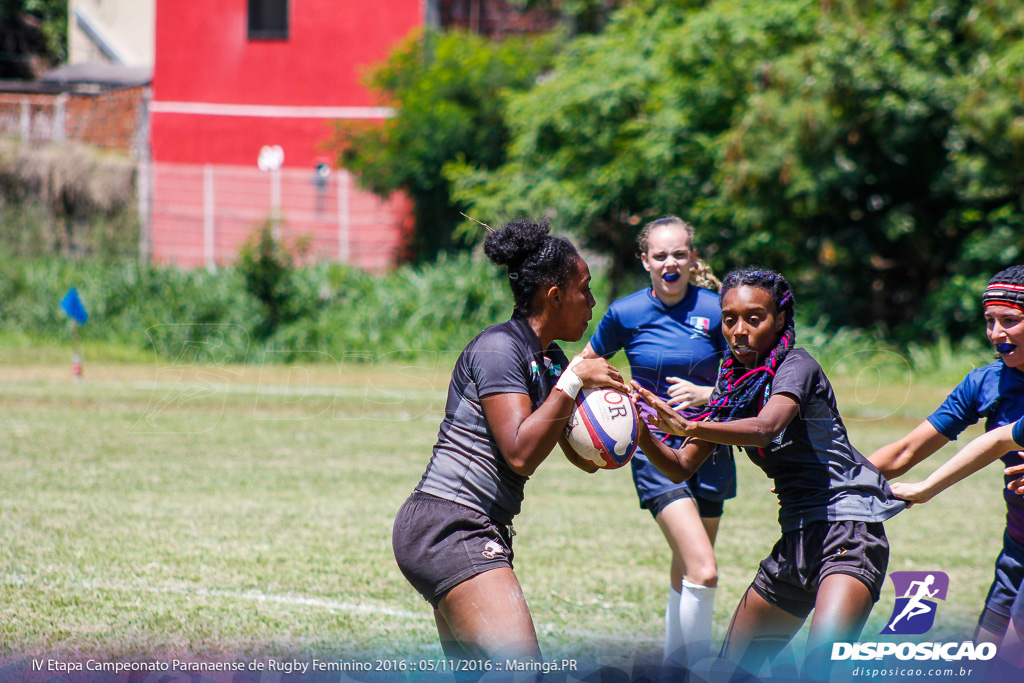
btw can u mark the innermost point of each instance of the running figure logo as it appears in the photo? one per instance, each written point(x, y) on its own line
point(914, 612)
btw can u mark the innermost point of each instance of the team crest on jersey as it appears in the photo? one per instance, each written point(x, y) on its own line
point(916, 593)
point(492, 550)
point(699, 323)
point(779, 441)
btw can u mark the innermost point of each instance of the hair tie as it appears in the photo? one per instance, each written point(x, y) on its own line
point(513, 276)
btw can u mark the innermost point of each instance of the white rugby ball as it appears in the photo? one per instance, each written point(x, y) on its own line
point(604, 427)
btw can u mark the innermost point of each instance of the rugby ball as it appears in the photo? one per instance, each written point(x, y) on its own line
point(604, 427)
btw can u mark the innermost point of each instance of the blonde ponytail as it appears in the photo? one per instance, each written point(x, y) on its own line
point(702, 276)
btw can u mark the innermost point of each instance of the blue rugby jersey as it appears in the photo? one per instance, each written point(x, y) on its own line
point(467, 466)
point(684, 340)
point(995, 393)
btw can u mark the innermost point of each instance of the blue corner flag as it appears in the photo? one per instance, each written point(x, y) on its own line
point(74, 307)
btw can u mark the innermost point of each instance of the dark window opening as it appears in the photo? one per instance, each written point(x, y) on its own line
point(268, 19)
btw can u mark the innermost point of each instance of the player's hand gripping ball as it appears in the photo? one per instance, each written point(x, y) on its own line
point(604, 427)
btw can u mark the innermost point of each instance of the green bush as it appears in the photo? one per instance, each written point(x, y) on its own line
point(333, 309)
point(347, 313)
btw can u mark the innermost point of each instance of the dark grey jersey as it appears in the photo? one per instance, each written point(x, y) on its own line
point(467, 466)
point(818, 474)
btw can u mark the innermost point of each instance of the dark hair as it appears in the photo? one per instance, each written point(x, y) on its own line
point(701, 275)
point(1006, 288)
point(740, 391)
point(535, 259)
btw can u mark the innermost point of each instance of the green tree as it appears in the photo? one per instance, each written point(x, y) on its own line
point(883, 162)
point(628, 125)
point(579, 16)
point(870, 150)
point(446, 89)
point(33, 36)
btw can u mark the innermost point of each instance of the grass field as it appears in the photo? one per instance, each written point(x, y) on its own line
point(197, 508)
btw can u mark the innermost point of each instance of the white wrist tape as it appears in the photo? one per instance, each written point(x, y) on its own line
point(569, 382)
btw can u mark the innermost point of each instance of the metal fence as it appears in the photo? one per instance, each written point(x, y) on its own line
point(32, 119)
point(202, 214)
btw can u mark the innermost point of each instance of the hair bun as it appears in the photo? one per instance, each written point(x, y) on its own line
point(516, 241)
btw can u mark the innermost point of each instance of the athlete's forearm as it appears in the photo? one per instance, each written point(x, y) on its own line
point(539, 433)
point(757, 431)
point(678, 465)
point(750, 431)
point(980, 452)
point(898, 457)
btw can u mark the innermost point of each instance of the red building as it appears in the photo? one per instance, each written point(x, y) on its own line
point(240, 85)
point(234, 77)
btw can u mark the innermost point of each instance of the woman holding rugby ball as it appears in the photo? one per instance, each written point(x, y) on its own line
point(776, 402)
point(995, 393)
point(672, 335)
point(511, 394)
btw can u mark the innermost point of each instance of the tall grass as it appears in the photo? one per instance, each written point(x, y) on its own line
point(342, 311)
point(67, 199)
point(336, 309)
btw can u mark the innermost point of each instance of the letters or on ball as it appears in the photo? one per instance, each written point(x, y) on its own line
point(604, 427)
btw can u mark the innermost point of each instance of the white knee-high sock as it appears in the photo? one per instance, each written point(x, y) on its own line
point(696, 608)
point(674, 643)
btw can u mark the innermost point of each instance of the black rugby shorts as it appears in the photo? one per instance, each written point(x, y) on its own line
point(439, 544)
point(789, 577)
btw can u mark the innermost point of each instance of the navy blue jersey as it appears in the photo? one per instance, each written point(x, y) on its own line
point(995, 393)
point(818, 474)
point(1018, 432)
point(467, 466)
point(684, 340)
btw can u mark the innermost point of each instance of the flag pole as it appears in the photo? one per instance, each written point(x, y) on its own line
point(75, 309)
point(76, 357)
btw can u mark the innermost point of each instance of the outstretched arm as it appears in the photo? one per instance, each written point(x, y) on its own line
point(981, 451)
point(757, 431)
point(898, 457)
point(678, 465)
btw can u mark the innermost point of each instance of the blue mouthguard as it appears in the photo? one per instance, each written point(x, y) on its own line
point(670, 277)
point(1005, 349)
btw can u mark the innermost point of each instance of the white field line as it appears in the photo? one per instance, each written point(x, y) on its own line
point(333, 605)
point(286, 390)
point(289, 390)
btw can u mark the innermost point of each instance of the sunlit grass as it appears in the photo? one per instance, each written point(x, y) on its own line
point(170, 511)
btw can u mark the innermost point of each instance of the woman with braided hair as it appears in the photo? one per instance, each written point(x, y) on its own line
point(996, 393)
point(511, 394)
point(671, 333)
point(774, 400)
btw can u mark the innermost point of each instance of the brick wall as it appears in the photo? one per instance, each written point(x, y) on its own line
point(110, 120)
point(201, 215)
